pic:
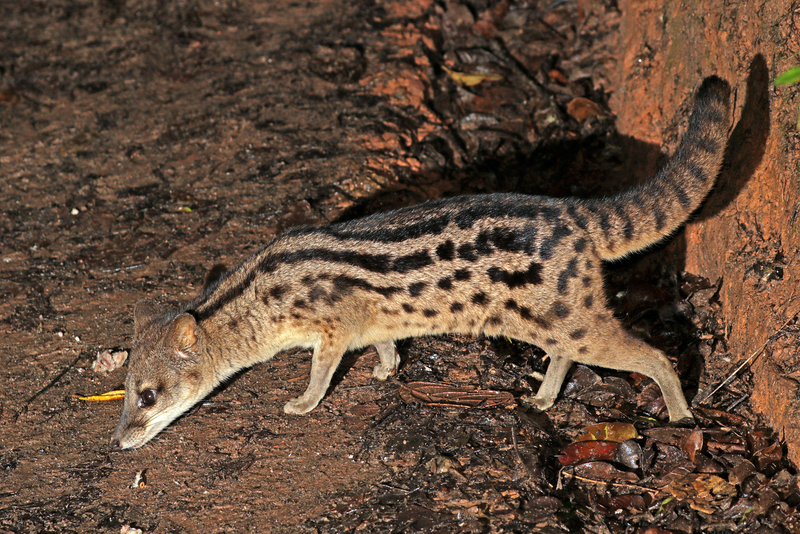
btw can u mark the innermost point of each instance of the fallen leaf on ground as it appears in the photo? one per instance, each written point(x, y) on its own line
point(703, 492)
point(582, 108)
point(586, 451)
point(617, 432)
point(692, 443)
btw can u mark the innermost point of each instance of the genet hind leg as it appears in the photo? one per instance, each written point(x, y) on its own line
point(604, 343)
point(609, 345)
point(389, 360)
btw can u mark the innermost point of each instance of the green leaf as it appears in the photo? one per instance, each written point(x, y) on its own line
point(788, 77)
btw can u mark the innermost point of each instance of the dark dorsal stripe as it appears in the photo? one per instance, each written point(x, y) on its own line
point(409, 225)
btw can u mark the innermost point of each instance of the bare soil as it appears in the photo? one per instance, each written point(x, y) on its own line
point(143, 142)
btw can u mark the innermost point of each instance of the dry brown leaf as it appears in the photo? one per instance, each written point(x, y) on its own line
point(582, 108)
point(587, 451)
point(692, 443)
point(703, 492)
point(616, 432)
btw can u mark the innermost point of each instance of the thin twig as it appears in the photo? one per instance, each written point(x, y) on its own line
point(752, 358)
point(607, 482)
point(48, 386)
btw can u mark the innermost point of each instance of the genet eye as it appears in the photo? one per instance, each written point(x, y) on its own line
point(147, 398)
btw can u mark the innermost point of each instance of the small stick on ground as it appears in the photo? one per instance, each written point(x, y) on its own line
point(609, 483)
point(48, 386)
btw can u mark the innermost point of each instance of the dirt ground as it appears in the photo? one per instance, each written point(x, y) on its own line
point(143, 142)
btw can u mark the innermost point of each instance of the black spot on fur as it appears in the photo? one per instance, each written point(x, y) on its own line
point(446, 251)
point(517, 278)
point(583, 350)
point(467, 252)
point(588, 300)
point(416, 288)
point(456, 307)
point(232, 324)
point(587, 281)
point(563, 278)
point(578, 334)
point(494, 320)
point(307, 280)
point(526, 314)
point(462, 274)
point(480, 298)
point(445, 283)
point(482, 245)
point(429, 313)
point(408, 307)
point(579, 245)
point(317, 293)
point(277, 292)
point(549, 244)
point(559, 310)
point(300, 303)
point(511, 304)
point(552, 342)
point(509, 240)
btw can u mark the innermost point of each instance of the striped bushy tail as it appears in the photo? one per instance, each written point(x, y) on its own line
point(644, 215)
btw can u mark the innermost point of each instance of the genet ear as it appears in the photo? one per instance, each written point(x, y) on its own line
point(144, 313)
point(184, 335)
